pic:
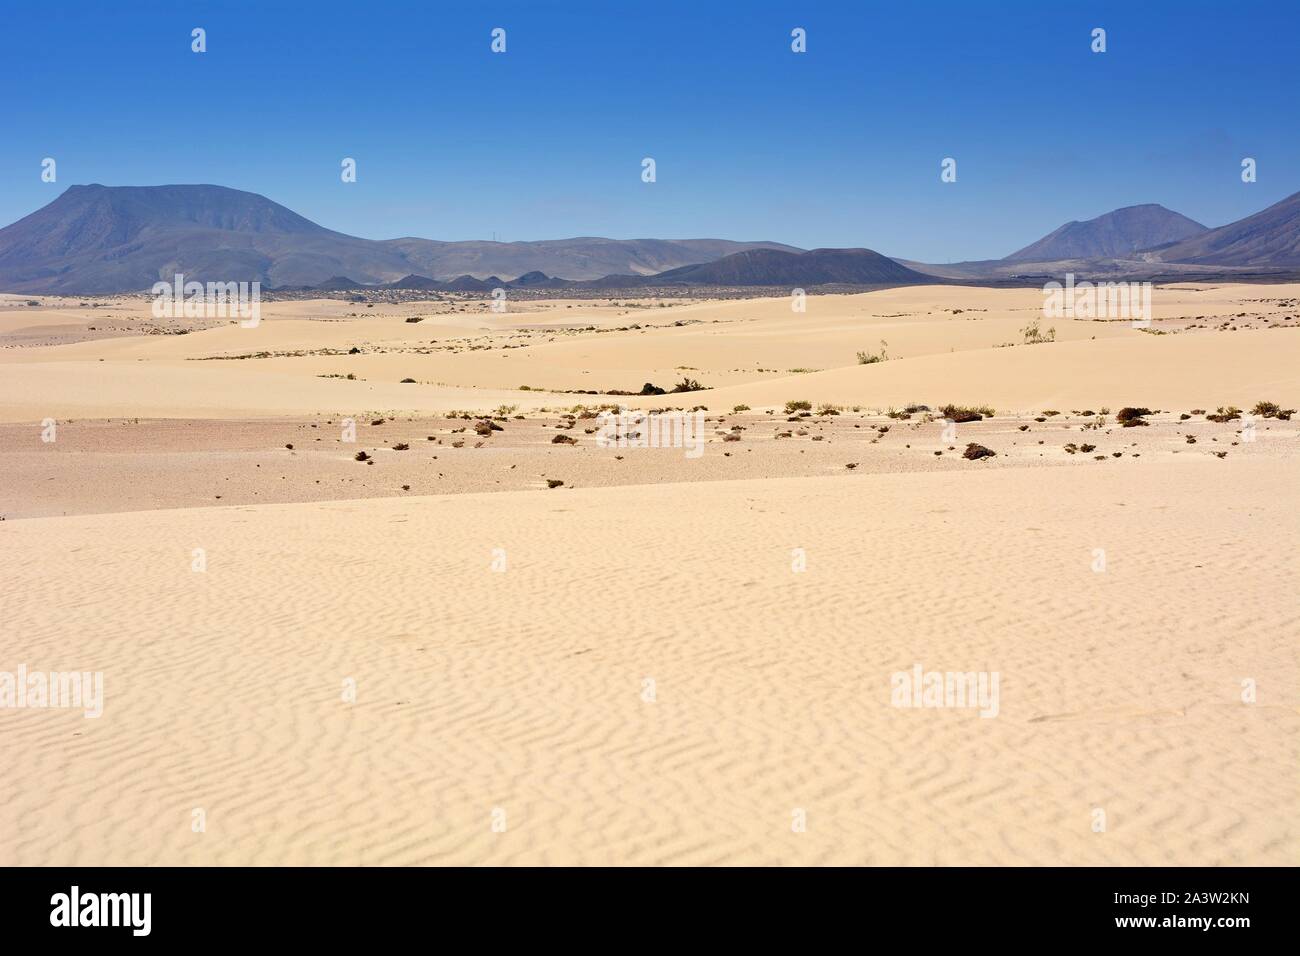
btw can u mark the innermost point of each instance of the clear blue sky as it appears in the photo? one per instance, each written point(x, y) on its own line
point(840, 146)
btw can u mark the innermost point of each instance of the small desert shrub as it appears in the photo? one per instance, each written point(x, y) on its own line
point(408, 381)
point(827, 409)
point(1267, 410)
point(1129, 416)
point(961, 413)
point(1034, 337)
point(871, 358)
point(563, 440)
point(797, 406)
point(688, 385)
point(1225, 414)
point(740, 408)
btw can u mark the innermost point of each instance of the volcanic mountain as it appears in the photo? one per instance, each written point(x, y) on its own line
point(100, 239)
point(1114, 235)
point(1268, 238)
point(764, 267)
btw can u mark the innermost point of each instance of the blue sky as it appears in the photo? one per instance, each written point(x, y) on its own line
point(840, 146)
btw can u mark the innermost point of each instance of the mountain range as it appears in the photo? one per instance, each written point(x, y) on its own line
point(101, 239)
point(107, 239)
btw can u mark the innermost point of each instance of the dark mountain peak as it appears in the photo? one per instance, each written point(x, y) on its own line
point(338, 284)
point(1115, 234)
point(414, 281)
point(761, 267)
point(536, 277)
point(204, 206)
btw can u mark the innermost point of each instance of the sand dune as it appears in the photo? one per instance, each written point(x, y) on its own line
point(524, 690)
point(1180, 372)
point(945, 344)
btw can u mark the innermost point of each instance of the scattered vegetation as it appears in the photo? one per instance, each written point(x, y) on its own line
point(1272, 410)
point(1222, 414)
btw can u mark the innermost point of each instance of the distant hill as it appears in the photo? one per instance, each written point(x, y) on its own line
point(1268, 238)
point(765, 267)
point(1114, 235)
point(99, 239)
point(581, 258)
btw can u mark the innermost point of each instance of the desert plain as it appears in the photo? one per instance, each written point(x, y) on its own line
point(430, 640)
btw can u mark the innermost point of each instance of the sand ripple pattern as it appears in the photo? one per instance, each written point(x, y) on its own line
point(523, 690)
